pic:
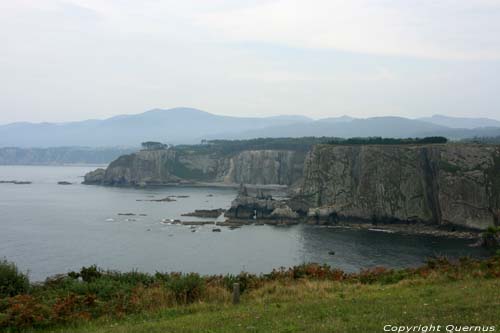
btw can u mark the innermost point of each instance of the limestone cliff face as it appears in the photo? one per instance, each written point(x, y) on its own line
point(145, 167)
point(436, 184)
point(265, 167)
point(156, 167)
point(450, 184)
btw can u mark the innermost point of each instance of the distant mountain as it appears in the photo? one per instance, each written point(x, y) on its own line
point(188, 126)
point(461, 122)
point(347, 127)
point(341, 119)
point(179, 125)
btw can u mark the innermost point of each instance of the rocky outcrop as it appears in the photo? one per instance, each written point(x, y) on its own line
point(142, 168)
point(448, 184)
point(260, 207)
point(206, 213)
point(15, 182)
point(434, 184)
point(167, 166)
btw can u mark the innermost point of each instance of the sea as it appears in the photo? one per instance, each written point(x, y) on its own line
point(49, 229)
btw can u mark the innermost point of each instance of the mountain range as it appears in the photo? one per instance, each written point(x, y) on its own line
point(188, 126)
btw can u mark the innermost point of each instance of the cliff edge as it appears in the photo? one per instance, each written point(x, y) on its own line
point(169, 166)
point(435, 184)
point(449, 184)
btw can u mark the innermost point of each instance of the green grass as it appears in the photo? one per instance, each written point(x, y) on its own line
point(304, 298)
point(324, 306)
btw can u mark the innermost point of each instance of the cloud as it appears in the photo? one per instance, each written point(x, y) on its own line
point(78, 59)
point(459, 29)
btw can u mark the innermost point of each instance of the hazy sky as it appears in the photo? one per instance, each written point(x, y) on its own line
point(80, 59)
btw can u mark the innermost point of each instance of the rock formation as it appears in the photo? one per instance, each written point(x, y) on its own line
point(167, 166)
point(260, 207)
point(434, 184)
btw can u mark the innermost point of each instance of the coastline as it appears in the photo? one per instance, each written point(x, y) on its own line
point(196, 184)
point(413, 229)
point(449, 231)
point(397, 228)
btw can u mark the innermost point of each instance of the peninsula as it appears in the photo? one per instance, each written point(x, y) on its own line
point(424, 181)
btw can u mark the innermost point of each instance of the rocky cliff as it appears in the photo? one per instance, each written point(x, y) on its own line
point(166, 166)
point(434, 184)
point(438, 184)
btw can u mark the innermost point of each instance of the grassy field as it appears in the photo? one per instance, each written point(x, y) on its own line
point(306, 298)
point(326, 306)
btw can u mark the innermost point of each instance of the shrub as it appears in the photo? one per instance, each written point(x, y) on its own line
point(133, 278)
point(72, 307)
point(150, 298)
point(244, 279)
point(438, 262)
point(376, 140)
point(90, 273)
point(491, 238)
point(186, 288)
point(24, 311)
point(12, 281)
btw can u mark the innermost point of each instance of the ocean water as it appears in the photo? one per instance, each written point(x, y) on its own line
point(48, 229)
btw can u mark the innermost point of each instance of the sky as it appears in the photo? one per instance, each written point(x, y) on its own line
point(68, 60)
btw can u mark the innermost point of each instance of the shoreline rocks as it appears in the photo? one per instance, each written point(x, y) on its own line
point(15, 182)
point(206, 213)
point(166, 199)
point(262, 207)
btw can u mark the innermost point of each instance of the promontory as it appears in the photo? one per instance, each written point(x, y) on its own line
point(411, 182)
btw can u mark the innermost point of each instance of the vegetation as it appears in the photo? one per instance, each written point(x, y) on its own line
point(152, 145)
point(232, 146)
point(12, 281)
point(449, 167)
point(308, 297)
point(483, 140)
point(389, 141)
point(297, 144)
point(491, 238)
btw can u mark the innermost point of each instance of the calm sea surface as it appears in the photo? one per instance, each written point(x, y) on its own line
point(48, 229)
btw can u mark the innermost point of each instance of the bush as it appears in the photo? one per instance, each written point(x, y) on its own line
point(24, 311)
point(244, 279)
point(382, 275)
point(491, 238)
point(90, 273)
point(186, 288)
point(376, 140)
point(12, 281)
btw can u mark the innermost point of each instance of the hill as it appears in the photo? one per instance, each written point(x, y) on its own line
point(461, 122)
point(188, 126)
point(179, 125)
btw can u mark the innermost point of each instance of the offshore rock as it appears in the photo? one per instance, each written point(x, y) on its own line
point(259, 207)
point(95, 177)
